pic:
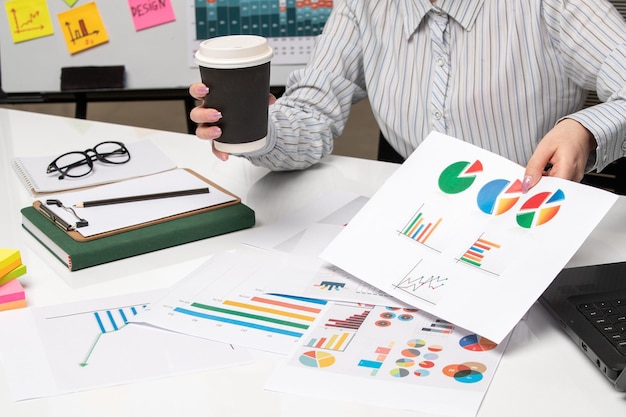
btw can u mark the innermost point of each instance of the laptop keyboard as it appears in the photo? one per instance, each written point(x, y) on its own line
point(610, 318)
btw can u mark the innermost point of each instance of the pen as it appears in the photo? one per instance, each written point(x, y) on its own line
point(144, 197)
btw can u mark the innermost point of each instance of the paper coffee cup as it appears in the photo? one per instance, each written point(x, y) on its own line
point(236, 69)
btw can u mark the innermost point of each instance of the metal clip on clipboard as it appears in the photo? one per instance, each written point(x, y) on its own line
point(59, 221)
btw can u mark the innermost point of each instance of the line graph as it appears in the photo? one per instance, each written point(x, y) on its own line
point(426, 286)
point(28, 19)
point(102, 322)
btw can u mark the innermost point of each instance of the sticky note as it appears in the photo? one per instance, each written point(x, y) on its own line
point(149, 13)
point(28, 19)
point(9, 260)
point(17, 272)
point(82, 28)
point(12, 296)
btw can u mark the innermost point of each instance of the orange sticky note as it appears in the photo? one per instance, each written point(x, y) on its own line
point(28, 19)
point(82, 28)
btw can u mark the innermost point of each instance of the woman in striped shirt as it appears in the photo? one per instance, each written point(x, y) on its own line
point(509, 76)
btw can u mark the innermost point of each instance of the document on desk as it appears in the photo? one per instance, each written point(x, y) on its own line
point(224, 300)
point(391, 357)
point(80, 346)
point(107, 218)
point(451, 233)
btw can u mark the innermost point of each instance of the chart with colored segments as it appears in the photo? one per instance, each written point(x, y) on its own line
point(224, 300)
point(466, 228)
point(403, 347)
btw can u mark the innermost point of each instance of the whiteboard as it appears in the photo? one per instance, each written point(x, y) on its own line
point(155, 58)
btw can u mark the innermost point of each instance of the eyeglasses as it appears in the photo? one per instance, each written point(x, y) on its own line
point(78, 164)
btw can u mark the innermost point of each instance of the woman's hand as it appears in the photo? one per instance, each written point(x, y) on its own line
point(563, 153)
point(206, 117)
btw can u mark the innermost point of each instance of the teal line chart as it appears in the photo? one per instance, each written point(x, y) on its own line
point(105, 322)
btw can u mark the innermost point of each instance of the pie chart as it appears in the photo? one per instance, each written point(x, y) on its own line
point(317, 359)
point(498, 196)
point(463, 373)
point(459, 176)
point(477, 343)
point(540, 209)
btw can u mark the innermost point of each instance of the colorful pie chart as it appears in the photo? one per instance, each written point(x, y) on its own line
point(540, 208)
point(399, 372)
point(498, 196)
point(477, 343)
point(459, 176)
point(317, 359)
point(416, 343)
point(463, 373)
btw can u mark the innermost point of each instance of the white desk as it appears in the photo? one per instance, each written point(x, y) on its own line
point(541, 374)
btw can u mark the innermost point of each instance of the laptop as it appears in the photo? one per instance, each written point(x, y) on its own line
point(589, 302)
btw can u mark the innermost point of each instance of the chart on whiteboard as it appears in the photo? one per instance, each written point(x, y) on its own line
point(289, 25)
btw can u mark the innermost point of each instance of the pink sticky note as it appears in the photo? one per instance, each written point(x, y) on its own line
point(149, 13)
point(11, 291)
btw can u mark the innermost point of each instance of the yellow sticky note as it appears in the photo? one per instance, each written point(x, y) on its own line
point(82, 28)
point(28, 19)
point(9, 260)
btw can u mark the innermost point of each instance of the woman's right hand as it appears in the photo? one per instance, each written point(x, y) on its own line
point(205, 118)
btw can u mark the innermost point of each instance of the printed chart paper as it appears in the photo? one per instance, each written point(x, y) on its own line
point(392, 357)
point(452, 234)
point(90, 344)
point(224, 300)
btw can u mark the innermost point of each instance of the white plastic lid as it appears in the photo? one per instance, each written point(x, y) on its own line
point(234, 51)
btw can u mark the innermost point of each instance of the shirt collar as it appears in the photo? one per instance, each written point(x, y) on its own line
point(463, 11)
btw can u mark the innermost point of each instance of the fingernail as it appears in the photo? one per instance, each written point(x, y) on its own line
point(526, 183)
point(222, 156)
point(215, 116)
point(202, 90)
point(214, 132)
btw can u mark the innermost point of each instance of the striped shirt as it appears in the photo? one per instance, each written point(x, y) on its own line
point(495, 73)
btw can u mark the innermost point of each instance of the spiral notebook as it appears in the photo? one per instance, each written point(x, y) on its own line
point(146, 159)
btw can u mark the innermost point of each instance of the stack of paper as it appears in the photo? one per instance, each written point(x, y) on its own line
point(11, 291)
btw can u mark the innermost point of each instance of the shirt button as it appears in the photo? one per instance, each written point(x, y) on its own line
point(624, 146)
point(437, 115)
point(440, 61)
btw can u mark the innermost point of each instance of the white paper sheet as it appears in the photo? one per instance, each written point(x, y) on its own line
point(146, 158)
point(391, 357)
point(224, 300)
point(304, 274)
point(334, 208)
point(467, 200)
point(79, 346)
point(117, 216)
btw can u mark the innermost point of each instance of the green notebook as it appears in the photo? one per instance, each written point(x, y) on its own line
point(78, 255)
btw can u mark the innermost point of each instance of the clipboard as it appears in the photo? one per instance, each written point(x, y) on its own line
point(77, 236)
